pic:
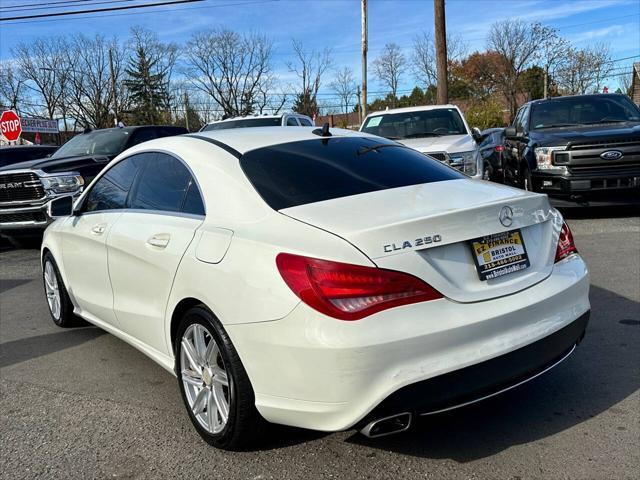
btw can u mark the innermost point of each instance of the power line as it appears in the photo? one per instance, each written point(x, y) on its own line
point(42, 7)
point(41, 3)
point(97, 10)
point(44, 20)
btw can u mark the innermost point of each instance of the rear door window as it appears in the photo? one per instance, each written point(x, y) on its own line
point(298, 173)
point(163, 185)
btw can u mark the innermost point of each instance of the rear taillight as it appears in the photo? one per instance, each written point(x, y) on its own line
point(499, 148)
point(350, 292)
point(566, 246)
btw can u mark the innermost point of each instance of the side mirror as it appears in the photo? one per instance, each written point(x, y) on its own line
point(510, 132)
point(60, 207)
point(476, 134)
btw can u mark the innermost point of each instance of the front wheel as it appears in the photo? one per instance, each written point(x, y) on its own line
point(526, 182)
point(214, 385)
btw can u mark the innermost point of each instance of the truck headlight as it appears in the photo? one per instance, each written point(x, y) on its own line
point(465, 161)
point(63, 183)
point(544, 158)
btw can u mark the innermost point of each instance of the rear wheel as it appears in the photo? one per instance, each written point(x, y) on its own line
point(214, 385)
point(60, 306)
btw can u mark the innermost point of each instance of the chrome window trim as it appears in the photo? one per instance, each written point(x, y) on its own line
point(165, 213)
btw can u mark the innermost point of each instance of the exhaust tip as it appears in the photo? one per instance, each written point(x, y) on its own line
point(387, 425)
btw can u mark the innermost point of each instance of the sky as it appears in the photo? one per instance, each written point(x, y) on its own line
point(336, 24)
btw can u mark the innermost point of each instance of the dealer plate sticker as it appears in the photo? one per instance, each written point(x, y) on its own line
point(499, 254)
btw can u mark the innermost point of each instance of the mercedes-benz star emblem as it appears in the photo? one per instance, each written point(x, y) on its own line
point(506, 216)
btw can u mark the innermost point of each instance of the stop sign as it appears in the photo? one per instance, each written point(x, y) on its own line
point(10, 125)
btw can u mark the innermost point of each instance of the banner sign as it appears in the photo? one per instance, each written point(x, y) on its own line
point(39, 125)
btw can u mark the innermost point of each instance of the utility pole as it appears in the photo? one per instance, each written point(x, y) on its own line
point(546, 81)
point(441, 51)
point(365, 47)
point(113, 88)
point(186, 111)
point(358, 92)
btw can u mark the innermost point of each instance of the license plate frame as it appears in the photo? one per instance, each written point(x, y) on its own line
point(506, 252)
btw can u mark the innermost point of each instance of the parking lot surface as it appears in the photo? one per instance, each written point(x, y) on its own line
point(82, 404)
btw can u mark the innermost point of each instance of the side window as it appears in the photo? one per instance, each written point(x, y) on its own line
point(143, 135)
point(305, 122)
point(193, 200)
point(162, 186)
point(517, 121)
point(292, 122)
point(111, 190)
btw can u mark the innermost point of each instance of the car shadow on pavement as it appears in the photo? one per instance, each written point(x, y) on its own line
point(27, 348)
point(603, 371)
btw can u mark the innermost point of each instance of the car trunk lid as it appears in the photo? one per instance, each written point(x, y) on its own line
point(425, 230)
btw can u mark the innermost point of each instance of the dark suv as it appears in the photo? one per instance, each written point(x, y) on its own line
point(583, 148)
point(27, 187)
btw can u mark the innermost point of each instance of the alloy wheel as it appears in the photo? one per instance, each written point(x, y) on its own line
point(205, 378)
point(52, 290)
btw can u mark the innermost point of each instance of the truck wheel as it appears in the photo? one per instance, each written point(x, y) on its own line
point(526, 182)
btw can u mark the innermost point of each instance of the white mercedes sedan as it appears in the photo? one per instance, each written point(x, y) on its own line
point(321, 279)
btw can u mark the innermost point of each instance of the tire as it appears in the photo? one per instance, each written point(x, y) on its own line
point(487, 173)
point(212, 380)
point(526, 182)
point(60, 306)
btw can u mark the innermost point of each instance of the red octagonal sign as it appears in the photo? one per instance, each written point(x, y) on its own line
point(10, 125)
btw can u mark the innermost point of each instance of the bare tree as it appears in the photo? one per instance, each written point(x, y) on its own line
point(42, 63)
point(518, 43)
point(390, 66)
point(309, 67)
point(90, 93)
point(230, 67)
point(344, 85)
point(423, 56)
point(12, 86)
point(626, 80)
point(553, 51)
point(585, 70)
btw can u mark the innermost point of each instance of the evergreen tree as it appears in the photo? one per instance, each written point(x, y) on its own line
point(147, 88)
point(305, 104)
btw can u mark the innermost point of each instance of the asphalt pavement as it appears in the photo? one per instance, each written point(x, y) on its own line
point(82, 404)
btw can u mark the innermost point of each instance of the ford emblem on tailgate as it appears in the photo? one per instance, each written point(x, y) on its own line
point(611, 155)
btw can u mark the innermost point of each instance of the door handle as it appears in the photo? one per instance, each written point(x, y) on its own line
point(99, 228)
point(160, 240)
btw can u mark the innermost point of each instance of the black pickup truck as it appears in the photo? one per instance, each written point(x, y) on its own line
point(579, 149)
point(27, 187)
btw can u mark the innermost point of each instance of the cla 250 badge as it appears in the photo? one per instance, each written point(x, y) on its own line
point(418, 242)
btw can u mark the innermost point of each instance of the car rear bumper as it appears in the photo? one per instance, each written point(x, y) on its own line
point(310, 371)
point(486, 379)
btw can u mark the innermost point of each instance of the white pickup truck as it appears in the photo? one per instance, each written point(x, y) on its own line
point(439, 131)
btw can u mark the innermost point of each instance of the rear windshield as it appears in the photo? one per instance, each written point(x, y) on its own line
point(426, 123)
point(308, 171)
point(565, 112)
point(247, 122)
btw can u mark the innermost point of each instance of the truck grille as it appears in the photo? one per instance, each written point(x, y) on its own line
point(604, 144)
point(19, 187)
point(441, 156)
point(33, 217)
